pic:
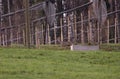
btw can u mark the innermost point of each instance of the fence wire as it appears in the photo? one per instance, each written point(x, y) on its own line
point(36, 36)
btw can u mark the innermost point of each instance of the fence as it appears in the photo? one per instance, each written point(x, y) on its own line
point(70, 28)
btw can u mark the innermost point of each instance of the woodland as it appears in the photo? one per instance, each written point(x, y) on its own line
point(65, 22)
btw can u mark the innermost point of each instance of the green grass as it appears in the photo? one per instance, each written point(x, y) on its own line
point(55, 64)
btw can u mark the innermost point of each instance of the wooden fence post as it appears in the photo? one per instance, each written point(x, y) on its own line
point(0, 38)
point(27, 28)
point(98, 30)
point(42, 33)
point(49, 39)
point(68, 29)
point(3, 38)
point(75, 28)
point(9, 18)
point(6, 40)
point(24, 36)
point(55, 34)
point(115, 30)
point(117, 39)
point(108, 31)
point(90, 39)
point(61, 25)
point(37, 37)
point(82, 29)
point(11, 35)
point(32, 34)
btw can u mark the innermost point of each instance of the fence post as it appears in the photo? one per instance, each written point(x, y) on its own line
point(6, 37)
point(49, 39)
point(115, 30)
point(61, 25)
point(27, 26)
point(3, 39)
point(116, 26)
point(75, 27)
point(90, 39)
point(9, 18)
point(82, 29)
point(68, 29)
point(55, 34)
point(37, 37)
point(0, 38)
point(108, 31)
point(42, 33)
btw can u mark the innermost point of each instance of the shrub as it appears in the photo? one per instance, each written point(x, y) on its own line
point(110, 47)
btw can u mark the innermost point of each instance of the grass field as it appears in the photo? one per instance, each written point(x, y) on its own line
point(54, 64)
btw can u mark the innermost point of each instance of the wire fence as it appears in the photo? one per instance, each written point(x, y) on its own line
point(71, 29)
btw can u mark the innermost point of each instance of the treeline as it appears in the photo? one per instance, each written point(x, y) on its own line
point(76, 21)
